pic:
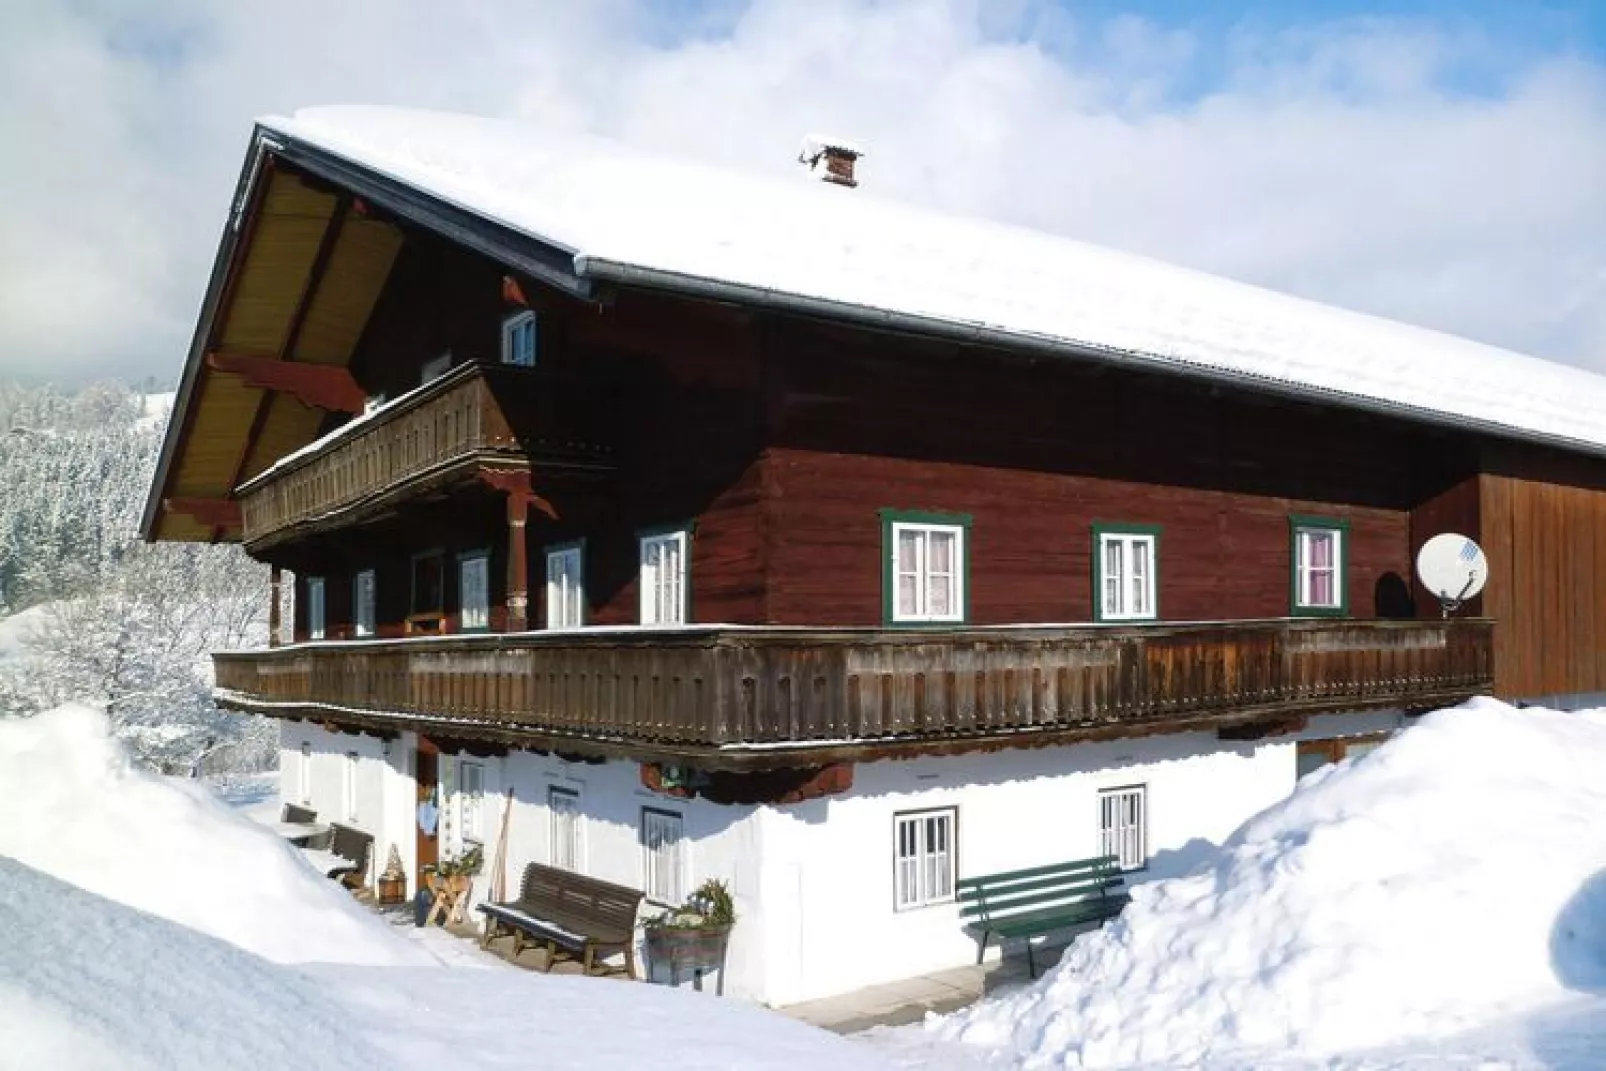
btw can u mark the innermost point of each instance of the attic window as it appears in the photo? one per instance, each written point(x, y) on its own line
point(518, 339)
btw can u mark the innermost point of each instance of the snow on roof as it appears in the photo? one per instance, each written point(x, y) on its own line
point(630, 215)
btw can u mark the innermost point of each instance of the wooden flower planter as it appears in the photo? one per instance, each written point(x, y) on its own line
point(683, 948)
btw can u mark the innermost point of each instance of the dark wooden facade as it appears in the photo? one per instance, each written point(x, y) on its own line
point(778, 441)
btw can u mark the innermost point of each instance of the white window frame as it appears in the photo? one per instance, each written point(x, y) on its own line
point(304, 774)
point(348, 785)
point(665, 604)
point(572, 826)
point(1303, 571)
point(920, 570)
point(664, 863)
point(1134, 598)
point(512, 329)
point(364, 602)
point(924, 867)
point(1124, 825)
point(566, 589)
point(474, 615)
point(469, 802)
point(317, 608)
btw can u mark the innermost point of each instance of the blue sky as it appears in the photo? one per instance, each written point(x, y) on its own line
point(1441, 162)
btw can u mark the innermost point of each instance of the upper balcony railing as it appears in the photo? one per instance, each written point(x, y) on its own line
point(477, 414)
point(756, 697)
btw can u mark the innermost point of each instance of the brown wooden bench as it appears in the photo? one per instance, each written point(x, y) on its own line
point(355, 846)
point(298, 815)
point(585, 917)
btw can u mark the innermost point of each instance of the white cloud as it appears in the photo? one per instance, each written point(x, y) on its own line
point(1340, 161)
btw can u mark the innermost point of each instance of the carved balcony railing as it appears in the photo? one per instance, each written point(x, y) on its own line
point(478, 416)
point(727, 697)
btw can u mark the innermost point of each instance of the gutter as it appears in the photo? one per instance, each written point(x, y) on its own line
point(614, 271)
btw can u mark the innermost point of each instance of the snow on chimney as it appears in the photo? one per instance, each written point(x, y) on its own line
point(830, 159)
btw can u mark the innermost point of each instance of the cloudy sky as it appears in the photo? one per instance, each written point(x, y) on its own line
point(1439, 161)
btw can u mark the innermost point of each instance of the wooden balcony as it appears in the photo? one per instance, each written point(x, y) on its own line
point(478, 417)
point(763, 698)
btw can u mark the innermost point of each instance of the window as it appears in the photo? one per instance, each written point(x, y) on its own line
point(470, 804)
point(925, 567)
point(362, 602)
point(1125, 572)
point(315, 605)
point(663, 858)
point(1319, 565)
point(427, 595)
point(348, 785)
point(565, 587)
point(474, 592)
point(663, 578)
point(924, 863)
point(304, 774)
point(434, 369)
point(564, 804)
point(518, 339)
point(1124, 825)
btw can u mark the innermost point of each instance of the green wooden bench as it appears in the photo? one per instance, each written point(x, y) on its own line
point(1029, 903)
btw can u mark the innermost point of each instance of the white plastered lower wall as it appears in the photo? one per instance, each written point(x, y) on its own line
point(813, 882)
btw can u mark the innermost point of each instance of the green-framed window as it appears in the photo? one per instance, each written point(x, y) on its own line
point(925, 567)
point(1319, 576)
point(1126, 572)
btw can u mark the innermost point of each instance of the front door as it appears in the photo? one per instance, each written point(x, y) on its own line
point(428, 812)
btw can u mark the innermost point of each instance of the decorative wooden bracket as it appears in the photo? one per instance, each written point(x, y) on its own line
point(320, 386)
point(1259, 730)
point(212, 512)
point(766, 786)
point(515, 483)
point(513, 293)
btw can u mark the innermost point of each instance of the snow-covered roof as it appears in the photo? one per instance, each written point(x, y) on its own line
point(630, 216)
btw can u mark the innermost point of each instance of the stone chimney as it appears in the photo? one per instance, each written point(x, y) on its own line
point(830, 159)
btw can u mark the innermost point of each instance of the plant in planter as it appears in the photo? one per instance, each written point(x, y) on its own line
point(693, 936)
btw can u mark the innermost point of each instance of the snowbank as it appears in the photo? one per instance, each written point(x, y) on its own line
point(87, 984)
point(91, 985)
point(79, 811)
point(1455, 876)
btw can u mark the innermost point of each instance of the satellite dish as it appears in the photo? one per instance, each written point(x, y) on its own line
point(1453, 568)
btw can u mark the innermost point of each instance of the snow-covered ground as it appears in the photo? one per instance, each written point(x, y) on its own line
point(1437, 904)
point(152, 926)
point(17, 629)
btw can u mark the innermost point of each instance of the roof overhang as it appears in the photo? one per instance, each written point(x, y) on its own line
point(244, 423)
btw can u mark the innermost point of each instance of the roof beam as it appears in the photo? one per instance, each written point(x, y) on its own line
point(215, 513)
point(319, 386)
point(298, 317)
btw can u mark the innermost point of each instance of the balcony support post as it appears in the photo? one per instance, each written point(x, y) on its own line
point(518, 569)
point(275, 621)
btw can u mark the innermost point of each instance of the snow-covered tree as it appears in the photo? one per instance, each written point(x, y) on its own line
point(126, 625)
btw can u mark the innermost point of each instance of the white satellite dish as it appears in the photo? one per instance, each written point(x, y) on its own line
point(1453, 568)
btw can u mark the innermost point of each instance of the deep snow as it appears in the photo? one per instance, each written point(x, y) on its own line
point(1453, 878)
point(151, 926)
point(78, 810)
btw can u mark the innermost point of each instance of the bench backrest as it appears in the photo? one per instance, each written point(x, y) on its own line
point(299, 815)
point(1000, 896)
point(611, 905)
point(351, 843)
